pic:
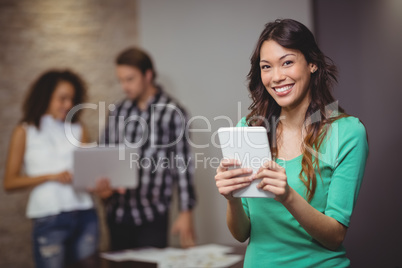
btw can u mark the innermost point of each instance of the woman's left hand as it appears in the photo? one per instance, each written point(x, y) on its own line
point(274, 180)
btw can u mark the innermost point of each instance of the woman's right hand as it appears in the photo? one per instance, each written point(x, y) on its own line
point(64, 177)
point(229, 180)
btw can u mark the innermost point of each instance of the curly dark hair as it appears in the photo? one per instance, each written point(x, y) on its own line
point(38, 98)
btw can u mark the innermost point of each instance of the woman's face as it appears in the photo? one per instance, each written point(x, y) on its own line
point(285, 74)
point(62, 100)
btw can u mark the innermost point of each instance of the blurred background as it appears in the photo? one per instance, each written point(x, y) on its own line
point(201, 50)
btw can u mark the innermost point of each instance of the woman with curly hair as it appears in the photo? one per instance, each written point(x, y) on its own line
point(65, 225)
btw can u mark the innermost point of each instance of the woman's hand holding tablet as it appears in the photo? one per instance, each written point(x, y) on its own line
point(244, 150)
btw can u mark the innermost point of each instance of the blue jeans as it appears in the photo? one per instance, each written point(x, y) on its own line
point(65, 238)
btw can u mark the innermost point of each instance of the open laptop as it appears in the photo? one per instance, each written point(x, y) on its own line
point(119, 164)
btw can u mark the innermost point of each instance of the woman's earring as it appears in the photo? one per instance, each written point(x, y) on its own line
point(313, 71)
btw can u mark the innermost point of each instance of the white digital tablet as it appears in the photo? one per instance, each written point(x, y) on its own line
point(250, 146)
point(119, 164)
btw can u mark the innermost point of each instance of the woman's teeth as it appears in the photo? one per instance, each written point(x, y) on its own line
point(282, 89)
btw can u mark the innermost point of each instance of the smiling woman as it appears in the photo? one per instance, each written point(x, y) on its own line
point(319, 155)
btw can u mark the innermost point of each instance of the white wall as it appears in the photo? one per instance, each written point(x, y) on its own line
point(201, 50)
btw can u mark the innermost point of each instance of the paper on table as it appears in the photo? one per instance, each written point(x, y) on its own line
point(144, 254)
point(211, 248)
point(211, 255)
point(198, 259)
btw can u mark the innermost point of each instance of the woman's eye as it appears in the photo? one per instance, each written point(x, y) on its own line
point(288, 62)
point(264, 67)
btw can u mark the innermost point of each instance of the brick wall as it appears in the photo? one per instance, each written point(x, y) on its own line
point(84, 35)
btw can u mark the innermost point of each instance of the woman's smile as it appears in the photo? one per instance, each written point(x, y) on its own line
point(283, 90)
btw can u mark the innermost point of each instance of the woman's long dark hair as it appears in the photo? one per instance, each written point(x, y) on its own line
point(38, 98)
point(294, 35)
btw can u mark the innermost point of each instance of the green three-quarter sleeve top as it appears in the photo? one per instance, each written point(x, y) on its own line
point(276, 238)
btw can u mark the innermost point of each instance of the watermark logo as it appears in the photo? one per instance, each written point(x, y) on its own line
point(118, 132)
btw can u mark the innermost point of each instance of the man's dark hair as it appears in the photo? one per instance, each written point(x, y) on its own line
point(137, 58)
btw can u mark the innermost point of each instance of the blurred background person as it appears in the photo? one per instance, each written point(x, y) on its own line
point(65, 224)
point(155, 123)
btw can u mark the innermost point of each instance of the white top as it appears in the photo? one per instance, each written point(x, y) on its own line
point(48, 151)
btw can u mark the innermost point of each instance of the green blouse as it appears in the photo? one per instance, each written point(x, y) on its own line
point(276, 238)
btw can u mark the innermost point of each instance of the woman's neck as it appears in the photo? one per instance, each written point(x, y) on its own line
point(291, 131)
point(294, 118)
